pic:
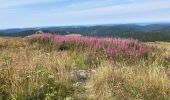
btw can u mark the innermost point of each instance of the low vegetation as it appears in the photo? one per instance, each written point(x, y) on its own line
point(54, 67)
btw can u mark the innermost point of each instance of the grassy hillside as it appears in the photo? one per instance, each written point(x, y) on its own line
point(52, 67)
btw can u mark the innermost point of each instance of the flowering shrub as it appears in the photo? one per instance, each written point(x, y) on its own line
point(112, 47)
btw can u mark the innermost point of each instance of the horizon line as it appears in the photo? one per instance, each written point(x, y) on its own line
point(88, 25)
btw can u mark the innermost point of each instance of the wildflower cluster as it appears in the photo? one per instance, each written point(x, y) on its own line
point(112, 47)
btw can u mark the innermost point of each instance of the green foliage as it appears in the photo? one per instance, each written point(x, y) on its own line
point(51, 91)
point(86, 60)
point(2, 47)
point(147, 36)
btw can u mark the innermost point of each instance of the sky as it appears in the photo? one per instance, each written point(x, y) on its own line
point(37, 13)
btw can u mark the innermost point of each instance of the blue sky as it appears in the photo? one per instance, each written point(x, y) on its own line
point(35, 13)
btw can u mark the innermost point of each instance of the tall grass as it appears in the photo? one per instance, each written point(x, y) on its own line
point(124, 82)
point(39, 67)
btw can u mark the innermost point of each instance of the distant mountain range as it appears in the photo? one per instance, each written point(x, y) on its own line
point(149, 32)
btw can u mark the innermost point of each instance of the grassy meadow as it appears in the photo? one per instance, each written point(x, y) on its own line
point(48, 67)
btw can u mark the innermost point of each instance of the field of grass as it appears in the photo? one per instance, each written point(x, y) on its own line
point(161, 45)
point(46, 67)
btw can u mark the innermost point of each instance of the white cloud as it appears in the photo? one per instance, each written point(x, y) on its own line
point(132, 11)
point(117, 9)
point(15, 3)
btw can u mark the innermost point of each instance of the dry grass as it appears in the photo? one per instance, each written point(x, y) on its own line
point(161, 45)
point(24, 68)
point(129, 83)
point(30, 72)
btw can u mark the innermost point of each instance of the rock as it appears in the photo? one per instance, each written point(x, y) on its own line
point(81, 75)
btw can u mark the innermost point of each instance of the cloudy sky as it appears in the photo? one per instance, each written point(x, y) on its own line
point(35, 13)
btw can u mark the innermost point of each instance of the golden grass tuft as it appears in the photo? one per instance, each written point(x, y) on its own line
point(129, 83)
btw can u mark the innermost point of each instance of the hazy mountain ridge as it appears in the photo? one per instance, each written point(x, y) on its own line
point(150, 32)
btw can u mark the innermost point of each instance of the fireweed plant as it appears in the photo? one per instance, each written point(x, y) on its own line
point(111, 47)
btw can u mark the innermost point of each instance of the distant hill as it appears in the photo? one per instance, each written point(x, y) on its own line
point(151, 32)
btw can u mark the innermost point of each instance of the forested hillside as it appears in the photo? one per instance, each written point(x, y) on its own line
point(153, 32)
